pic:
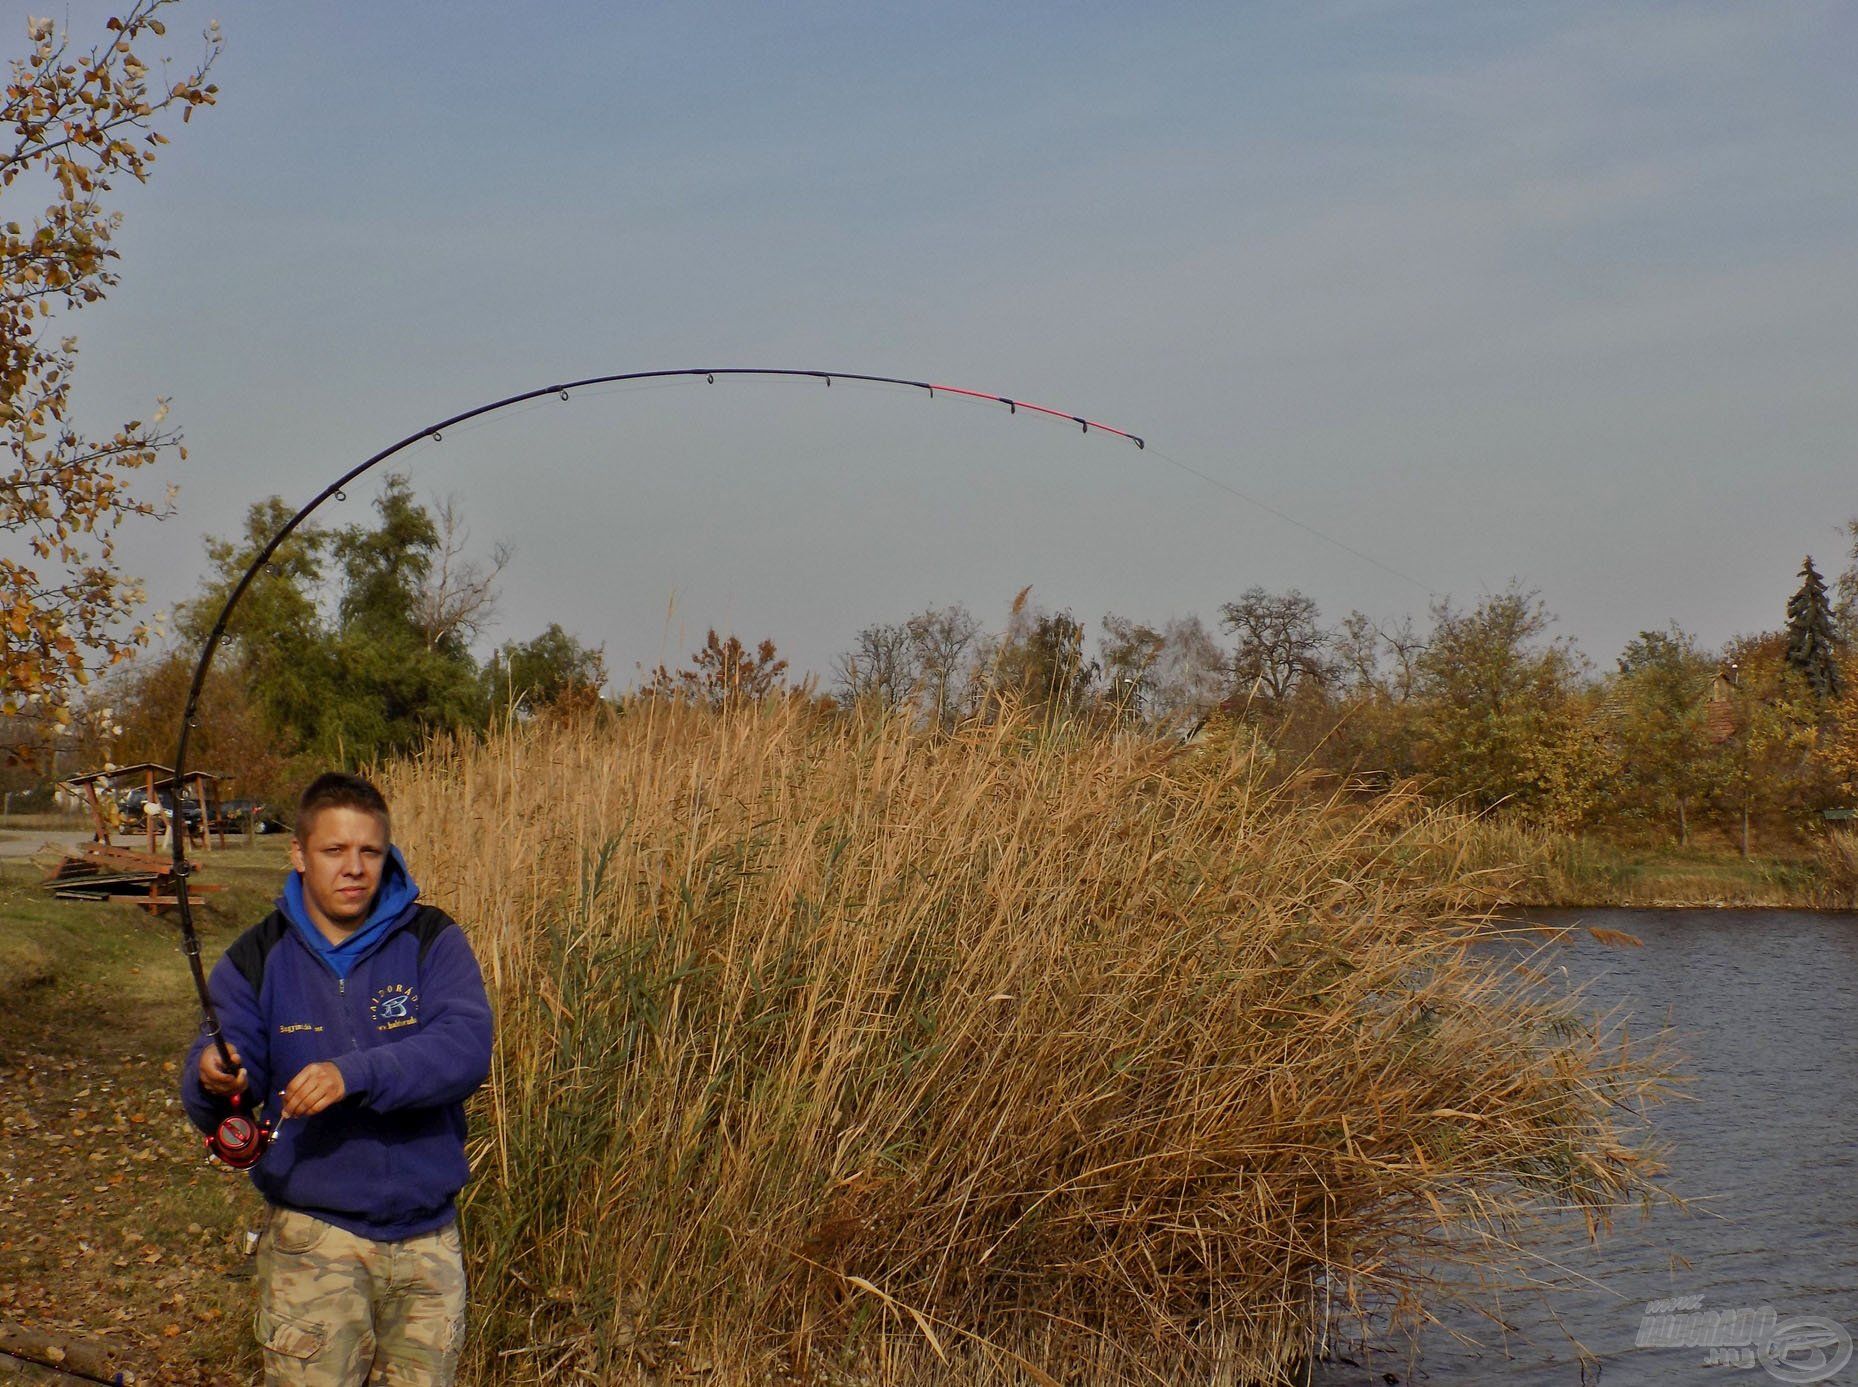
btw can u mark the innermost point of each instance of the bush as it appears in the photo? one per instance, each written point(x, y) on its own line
point(828, 1046)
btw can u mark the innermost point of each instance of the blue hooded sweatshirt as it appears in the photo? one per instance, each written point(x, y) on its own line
point(399, 1008)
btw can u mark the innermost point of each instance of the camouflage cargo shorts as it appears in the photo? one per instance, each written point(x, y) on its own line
point(339, 1310)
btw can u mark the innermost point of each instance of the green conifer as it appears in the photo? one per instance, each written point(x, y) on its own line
point(1811, 641)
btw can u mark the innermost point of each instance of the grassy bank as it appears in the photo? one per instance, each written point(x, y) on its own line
point(1558, 869)
point(37, 823)
point(825, 1047)
point(113, 1229)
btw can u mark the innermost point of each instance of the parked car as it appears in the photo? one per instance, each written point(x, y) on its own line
point(133, 805)
point(236, 815)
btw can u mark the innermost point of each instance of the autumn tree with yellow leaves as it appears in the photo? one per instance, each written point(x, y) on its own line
point(75, 122)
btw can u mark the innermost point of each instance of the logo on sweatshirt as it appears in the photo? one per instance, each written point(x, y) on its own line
point(393, 1007)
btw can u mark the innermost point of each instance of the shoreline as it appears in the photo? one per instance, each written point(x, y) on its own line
point(1539, 870)
point(1798, 907)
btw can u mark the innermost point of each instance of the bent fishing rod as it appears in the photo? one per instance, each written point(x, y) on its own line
point(241, 1138)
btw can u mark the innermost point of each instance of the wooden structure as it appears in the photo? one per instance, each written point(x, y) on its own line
point(151, 778)
point(100, 872)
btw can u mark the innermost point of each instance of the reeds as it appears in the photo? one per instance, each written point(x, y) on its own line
point(829, 1048)
point(1837, 857)
point(1550, 867)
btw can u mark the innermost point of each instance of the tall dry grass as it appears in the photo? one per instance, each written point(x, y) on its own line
point(1543, 866)
point(1551, 867)
point(828, 1048)
point(1837, 858)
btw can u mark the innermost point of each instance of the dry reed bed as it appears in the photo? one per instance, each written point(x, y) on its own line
point(828, 1048)
point(1546, 867)
point(1837, 855)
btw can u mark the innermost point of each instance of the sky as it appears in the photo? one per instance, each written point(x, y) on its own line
point(1558, 294)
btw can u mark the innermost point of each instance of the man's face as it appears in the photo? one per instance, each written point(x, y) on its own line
point(341, 859)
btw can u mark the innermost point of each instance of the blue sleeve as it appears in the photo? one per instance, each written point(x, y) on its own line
point(244, 1029)
point(447, 1057)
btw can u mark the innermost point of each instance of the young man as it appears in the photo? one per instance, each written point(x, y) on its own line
point(356, 1018)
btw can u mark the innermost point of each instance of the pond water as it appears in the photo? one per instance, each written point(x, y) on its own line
point(1764, 1148)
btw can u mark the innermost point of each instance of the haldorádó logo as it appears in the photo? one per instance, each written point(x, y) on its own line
point(394, 1006)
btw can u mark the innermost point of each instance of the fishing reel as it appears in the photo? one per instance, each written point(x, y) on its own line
point(239, 1141)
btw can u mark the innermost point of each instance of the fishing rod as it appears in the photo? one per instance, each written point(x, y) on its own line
point(241, 1138)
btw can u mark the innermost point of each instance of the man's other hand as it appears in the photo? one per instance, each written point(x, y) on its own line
point(315, 1088)
point(213, 1076)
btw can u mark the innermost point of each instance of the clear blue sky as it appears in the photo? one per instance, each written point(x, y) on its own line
point(1560, 292)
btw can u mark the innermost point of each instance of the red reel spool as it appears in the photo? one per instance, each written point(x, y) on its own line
point(239, 1141)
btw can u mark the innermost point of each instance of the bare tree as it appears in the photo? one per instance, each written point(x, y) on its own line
point(1357, 646)
point(1282, 648)
point(1189, 674)
point(1406, 648)
point(1378, 660)
point(946, 646)
point(1847, 609)
point(881, 666)
point(1165, 676)
point(457, 597)
point(1128, 651)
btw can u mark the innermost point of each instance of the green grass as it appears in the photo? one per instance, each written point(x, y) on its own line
point(84, 940)
point(38, 823)
point(24, 962)
point(1693, 876)
point(1558, 869)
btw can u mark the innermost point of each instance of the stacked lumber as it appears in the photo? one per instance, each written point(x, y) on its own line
point(99, 872)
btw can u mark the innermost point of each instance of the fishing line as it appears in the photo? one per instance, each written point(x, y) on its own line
point(887, 387)
point(1343, 545)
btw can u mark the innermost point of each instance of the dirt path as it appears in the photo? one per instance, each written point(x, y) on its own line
point(103, 1193)
point(114, 1229)
point(25, 1370)
point(28, 842)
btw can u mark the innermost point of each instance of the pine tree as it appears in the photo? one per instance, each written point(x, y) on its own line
point(1811, 643)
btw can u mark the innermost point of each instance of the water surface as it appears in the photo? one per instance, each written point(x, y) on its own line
point(1764, 1005)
